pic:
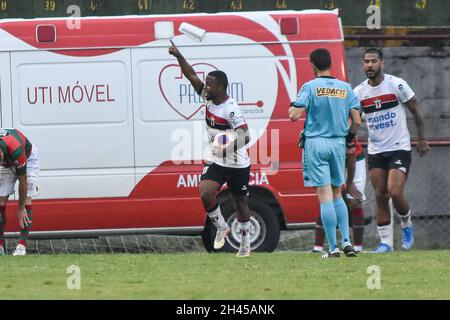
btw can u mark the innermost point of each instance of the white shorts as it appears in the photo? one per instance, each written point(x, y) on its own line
point(359, 180)
point(8, 176)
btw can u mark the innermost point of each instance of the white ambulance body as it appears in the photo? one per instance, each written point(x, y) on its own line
point(121, 133)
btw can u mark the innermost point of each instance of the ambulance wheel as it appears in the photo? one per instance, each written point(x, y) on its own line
point(264, 229)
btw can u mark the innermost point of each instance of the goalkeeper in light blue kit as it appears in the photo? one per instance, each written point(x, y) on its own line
point(328, 103)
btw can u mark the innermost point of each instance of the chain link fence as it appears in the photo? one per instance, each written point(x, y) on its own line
point(427, 190)
point(428, 193)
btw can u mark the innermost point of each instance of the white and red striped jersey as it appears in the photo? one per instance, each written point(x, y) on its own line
point(219, 118)
point(386, 114)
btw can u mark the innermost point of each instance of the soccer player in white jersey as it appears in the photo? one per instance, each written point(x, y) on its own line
point(229, 164)
point(384, 100)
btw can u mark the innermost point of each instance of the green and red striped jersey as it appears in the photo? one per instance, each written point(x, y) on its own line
point(16, 149)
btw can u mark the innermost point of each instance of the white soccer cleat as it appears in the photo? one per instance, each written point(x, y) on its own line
point(244, 251)
point(221, 235)
point(21, 250)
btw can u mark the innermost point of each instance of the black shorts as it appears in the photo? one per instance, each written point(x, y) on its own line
point(236, 178)
point(399, 159)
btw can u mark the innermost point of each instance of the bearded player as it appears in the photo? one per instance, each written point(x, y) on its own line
point(384, 100)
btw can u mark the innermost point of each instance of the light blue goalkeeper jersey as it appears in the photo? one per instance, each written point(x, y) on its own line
point(328, 102)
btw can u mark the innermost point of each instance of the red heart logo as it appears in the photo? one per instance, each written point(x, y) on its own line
point(172, 80)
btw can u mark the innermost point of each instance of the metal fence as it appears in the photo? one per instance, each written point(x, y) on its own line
point(427, 190)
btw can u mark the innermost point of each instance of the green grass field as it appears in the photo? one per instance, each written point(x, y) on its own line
point(411, 275)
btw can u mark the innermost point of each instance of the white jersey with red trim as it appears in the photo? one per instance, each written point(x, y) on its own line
point(219, 118)
point(386, 114)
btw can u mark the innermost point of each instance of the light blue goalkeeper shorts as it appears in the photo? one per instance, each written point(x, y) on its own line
point(324, 161)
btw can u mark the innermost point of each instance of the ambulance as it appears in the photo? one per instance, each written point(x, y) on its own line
point(121, 132)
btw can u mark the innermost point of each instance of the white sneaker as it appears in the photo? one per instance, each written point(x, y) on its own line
point(221, 235)
point(244, 251)
point(21, 250)
point(2, 251)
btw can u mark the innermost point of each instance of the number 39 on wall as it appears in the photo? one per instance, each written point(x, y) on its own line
point(50, 5)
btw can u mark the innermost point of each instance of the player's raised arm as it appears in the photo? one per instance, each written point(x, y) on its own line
point(186, 68)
